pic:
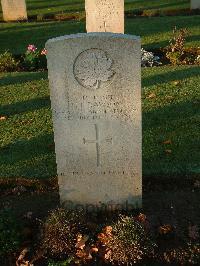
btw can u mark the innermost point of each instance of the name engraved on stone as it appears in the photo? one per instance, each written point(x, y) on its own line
point(93, 69)
point(90, 107)
point(98, 142)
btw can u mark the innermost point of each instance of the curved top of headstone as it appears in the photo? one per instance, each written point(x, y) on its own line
point(94, 35)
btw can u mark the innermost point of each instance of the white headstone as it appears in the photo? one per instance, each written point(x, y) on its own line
point(95, 84)
point(195, 4)
point(14, 10)
point(105, 16)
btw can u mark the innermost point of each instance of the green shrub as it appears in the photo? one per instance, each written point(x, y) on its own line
point(187, 255)
point(8, 62)
point(130, 242)
point(34, 59)
point(40, 17)
point(60, 263)
point(175, 58)
point(10, 237)
point(79, 16)
point(176, 52)
point(60, 232)
point(151, 13)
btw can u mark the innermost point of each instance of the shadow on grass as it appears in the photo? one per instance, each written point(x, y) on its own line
point(19, 78)
point(54, 4)
point(29, 158)
point(144, 5)
point(161, 117)
point(37, 33)
point(179, 123)
point(160, 25)
point(163, 44)
point(26, 106)
point(171, 76)
point(36, 157)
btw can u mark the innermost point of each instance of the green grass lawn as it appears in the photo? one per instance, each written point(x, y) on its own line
point(155, 32)
point(36, 7)
point(171, 113)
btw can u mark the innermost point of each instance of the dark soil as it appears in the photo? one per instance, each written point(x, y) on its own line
point(172, 202)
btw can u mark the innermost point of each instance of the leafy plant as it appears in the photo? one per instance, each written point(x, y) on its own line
point(10, 237)
point(188, 255)
point(126, 242)
point(60, 233)
point(8, 63)
point(60, 263)
point(175, 58)
point(175, 51)
point(151, 13)
point(178, 40)
point(34, 59)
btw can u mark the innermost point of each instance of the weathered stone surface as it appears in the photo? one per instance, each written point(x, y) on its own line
point(14, 10)
point(195, 4)
point(95, 84)
point(105, 16)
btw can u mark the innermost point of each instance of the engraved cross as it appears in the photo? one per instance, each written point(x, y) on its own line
point(98, 143)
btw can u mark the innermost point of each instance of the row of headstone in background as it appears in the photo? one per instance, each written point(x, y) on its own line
point(102, 15)
point(14, 10)
point(95, 85)
point(195, 4)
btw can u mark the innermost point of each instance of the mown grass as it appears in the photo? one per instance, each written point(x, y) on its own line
point(171, 97)
point(155, 32)
point(36, 7)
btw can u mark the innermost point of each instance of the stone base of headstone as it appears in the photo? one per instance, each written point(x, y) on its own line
point(95, 84)
point(14, 10)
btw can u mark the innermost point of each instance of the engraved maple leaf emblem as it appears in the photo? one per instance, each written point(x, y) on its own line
point(93, 67)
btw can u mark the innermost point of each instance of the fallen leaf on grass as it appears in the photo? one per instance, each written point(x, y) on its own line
point(3, 118)
point(167, 141)
point(176, 82)
point(151, 95)
point(94, 249)
point(141, 217)
point(21, 259)
point(81, 240)
point(84, 255)
point(169, 97)
point(165, 229)
point(144, 221)
point(107, 230)
point(168, 151)
point(108, 255)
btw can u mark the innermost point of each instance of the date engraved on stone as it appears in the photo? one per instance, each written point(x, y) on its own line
point(93, 69)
